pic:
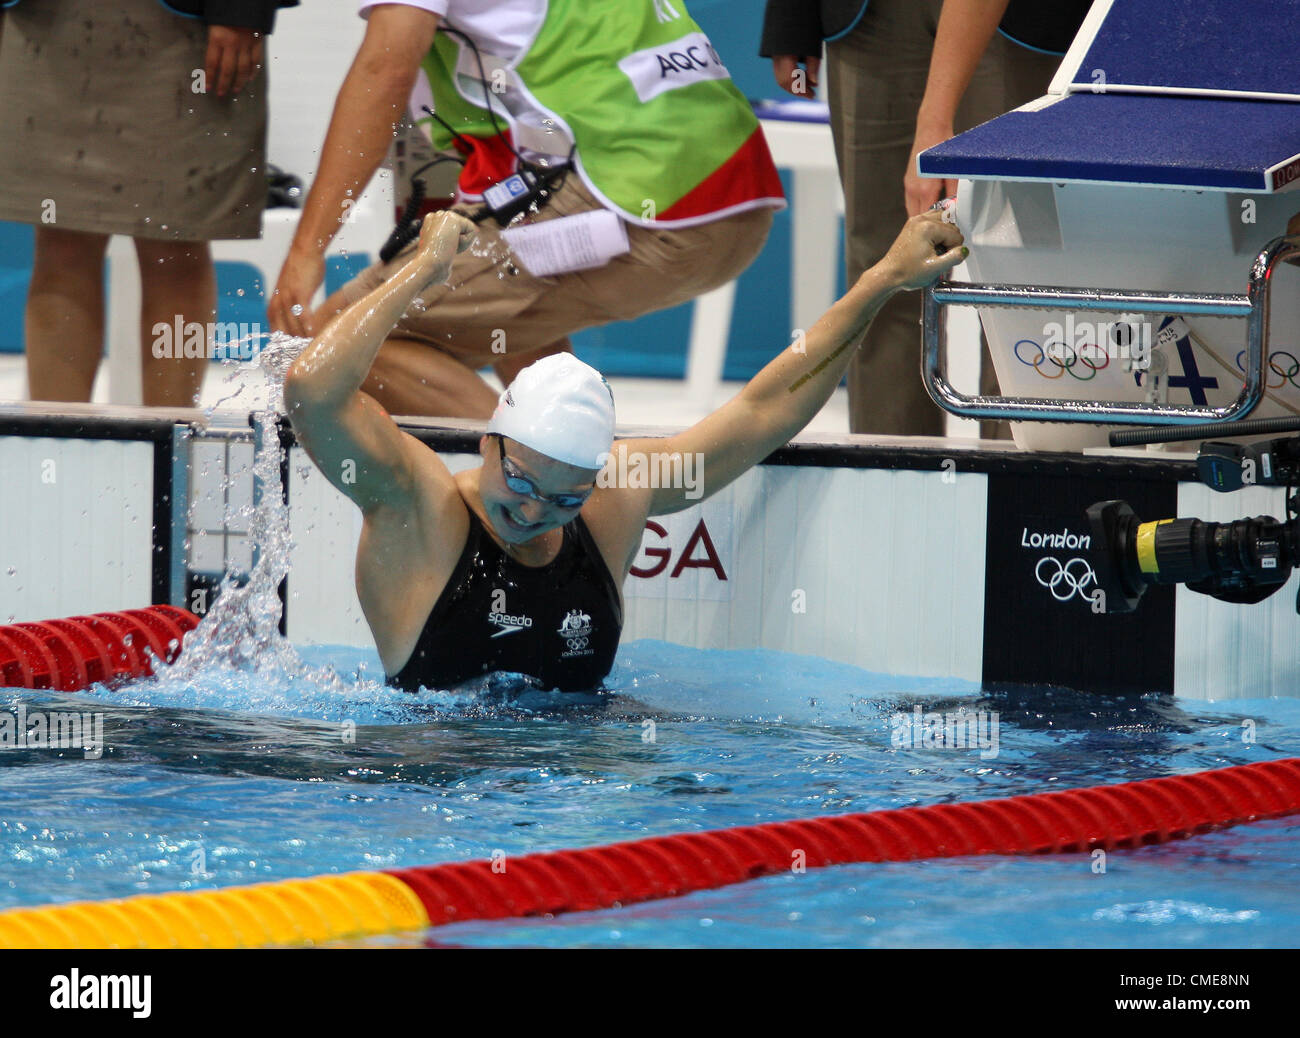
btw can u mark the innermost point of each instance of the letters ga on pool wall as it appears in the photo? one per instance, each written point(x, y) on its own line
point(1040, 619)
point(687, 555)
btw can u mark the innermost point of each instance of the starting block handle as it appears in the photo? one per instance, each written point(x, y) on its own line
point(1253, 306)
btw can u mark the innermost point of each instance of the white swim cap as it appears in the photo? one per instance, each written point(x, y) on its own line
point(559, 407)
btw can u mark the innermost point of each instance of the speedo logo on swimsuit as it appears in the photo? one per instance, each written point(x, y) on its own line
point(509, 624)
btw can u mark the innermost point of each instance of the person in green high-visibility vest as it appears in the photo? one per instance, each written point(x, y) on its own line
point(667, 187)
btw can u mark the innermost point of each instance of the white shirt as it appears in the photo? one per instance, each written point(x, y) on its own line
point(501, 27)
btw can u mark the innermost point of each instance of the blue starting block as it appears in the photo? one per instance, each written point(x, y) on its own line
point(1165, 159)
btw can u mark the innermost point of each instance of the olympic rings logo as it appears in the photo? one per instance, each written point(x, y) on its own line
point(1283, 377)
point(576, 643)
point(1065, 359)
point(1066, 580)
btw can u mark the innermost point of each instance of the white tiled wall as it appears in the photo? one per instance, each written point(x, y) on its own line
point(221, 489)
point(1225, 651)
point(76, 520)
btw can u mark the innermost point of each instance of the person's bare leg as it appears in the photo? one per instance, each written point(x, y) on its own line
point(177, 281)
point(508, 367)
point(334, 304)
point(410, 377)
point(65, 314)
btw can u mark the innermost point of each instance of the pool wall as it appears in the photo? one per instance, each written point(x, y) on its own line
point(91, 511)
point(932, 560)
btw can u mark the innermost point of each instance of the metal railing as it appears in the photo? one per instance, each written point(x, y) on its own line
point(1254, 306)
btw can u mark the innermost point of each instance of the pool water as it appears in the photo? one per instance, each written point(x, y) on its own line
point(220, 779)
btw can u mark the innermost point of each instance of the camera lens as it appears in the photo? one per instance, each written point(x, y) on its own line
point(1114, 555)
point(1241, 561)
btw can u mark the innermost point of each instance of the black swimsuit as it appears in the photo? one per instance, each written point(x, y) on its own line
point(558, 623)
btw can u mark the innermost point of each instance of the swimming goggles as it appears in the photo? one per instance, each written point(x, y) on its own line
point(525, 487)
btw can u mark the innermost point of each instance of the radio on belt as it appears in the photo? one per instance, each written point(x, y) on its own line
point(510, 197)
point(498, 196)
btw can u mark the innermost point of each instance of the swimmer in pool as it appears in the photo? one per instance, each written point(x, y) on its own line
point(518, 564)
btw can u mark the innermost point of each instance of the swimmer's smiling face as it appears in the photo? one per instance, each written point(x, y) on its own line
point(518, 517)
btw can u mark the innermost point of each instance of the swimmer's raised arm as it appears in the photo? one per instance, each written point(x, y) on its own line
point(348, 435)
point(786, 395)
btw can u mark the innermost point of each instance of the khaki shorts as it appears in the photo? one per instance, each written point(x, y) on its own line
point(101, 133)
point(491, 309)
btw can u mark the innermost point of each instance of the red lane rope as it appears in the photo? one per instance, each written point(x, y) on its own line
point(73, 654)
point(1071, 821)
point(70, 654)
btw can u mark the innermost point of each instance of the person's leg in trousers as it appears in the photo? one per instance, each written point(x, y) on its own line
point(875, 80)
point(1009, 76)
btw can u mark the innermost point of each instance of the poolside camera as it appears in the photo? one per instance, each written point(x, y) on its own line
point(1243, 561)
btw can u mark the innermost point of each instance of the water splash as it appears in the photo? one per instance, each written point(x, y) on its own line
point(240, 638)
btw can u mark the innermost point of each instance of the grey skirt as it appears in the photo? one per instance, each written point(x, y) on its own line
point(101, 130)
